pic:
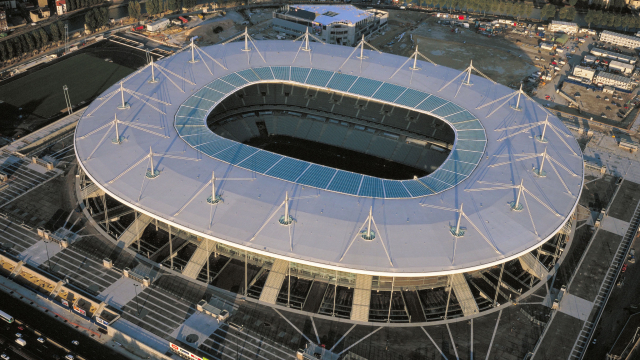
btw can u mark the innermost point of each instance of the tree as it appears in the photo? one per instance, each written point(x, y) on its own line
point(152, 7)
point(55, 35)
point(617, 21)
point(3, 52)
point(573, 2)
point(36, 39)
point(29, 41)
point(548, 11)
point(10, 52)
point(134, 10)
point(44, 37)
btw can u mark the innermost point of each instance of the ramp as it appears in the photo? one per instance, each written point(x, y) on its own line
point(134, 230)
point(198, 259)
point(91, 191)
point(274, 281)
point(361, 298)
point(531, 265)
point(464, 295)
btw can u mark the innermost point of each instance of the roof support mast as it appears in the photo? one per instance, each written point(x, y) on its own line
point(466, 80)
point(305, 46)
point(246, 49)
point(362, 56)
point(415, 67)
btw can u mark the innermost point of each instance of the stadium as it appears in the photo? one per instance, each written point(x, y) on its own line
point(336, 181)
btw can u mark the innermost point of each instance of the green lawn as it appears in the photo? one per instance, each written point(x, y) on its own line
point(40, 93)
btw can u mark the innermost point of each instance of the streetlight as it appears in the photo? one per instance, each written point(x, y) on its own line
point(135, 287)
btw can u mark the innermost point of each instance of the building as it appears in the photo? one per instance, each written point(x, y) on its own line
point(323, 229)
point(589, 59)
point(614, 55)
point(8, 4)
point(617, 81)
point(333, 24)
point(631, 42)
point(3, 21)
point(564, 27)
point(584, 72)
point(547, 46)
point(61, 7)
point(562, 39)
point(158, 25)
point(624, 68)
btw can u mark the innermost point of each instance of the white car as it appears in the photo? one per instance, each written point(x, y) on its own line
point(69, 357)
point(75, 342)
point(18, 335)
point(4, 356)
point(41, 340)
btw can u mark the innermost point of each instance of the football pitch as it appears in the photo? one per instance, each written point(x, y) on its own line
point(40, 93)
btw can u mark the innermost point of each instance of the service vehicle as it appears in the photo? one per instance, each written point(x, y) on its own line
point(21, 342)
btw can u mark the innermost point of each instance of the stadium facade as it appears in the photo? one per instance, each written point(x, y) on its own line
point(175, 149)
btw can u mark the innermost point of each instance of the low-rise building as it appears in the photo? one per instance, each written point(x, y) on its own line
point(563, 27)
point(589, 59)
point(546, 46)
point(614, 55)
point(624, 68)
point(61, 7)
point(158, 25)
point(334, 24)
point(618, 81)
point(3, 21)
point(584, 72)
point(632, 42)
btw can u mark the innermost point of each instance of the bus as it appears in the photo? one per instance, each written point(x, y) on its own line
point(6, 317)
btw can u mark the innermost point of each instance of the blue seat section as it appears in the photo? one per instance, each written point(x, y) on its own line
point(189, 121)
point(217, 146)
point(448, 177)
point(466, 156)
point(191, 113)
point(299, 74)
point(365, 87)
point(209, 94)
point(341, 82)
point(236, 154)
point(281, 72)
point(202, 138)
point(185, 130)
point(371, 187)
point(432, 102)
point(389, 92)
point(394, 189)
point(411, 98)
point(463, 116)
point(317, 176)
point(471, 135)
point(196, 102)
point(470, 145)
point(319, 77)
point(416, 188)
point(458, 167)
point(447, 109)
point(234, 80)
point(288, 169)
point(345, 182)
point(264, 73)
point(261, 161)
point(221, 86)
point(434, 184)
point(468, 125)
point(249, 74)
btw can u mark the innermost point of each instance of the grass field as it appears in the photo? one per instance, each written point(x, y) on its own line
point(40, 94)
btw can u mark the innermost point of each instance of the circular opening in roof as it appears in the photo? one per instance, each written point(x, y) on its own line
point(334, 130)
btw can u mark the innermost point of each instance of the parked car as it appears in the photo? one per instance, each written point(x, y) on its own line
point(4, 356)
point(75, 342)
point(41, 340)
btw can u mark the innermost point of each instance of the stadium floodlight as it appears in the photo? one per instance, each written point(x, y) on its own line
point(360, 45)
point(305, 46)
point(467, 78)
point(413, 56)
point(247, 39)
point(368, 235)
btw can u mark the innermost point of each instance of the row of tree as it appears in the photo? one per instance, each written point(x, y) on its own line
point(600, 18)
point(159, 6)
point(28, 43)
point(79, 4)
point(515, 9)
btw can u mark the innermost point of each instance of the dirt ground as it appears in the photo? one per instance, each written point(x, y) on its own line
point(595, 103)
point(497, 57)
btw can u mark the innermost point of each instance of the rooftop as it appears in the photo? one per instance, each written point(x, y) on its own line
point(327, 14)
point(413, 234)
